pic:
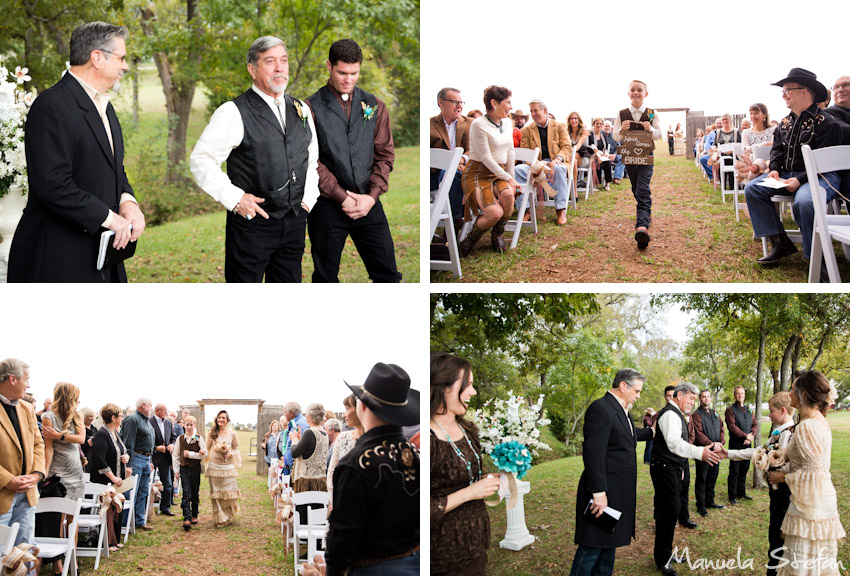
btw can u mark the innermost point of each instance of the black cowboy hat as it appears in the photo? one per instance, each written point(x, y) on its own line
point(807, 79)
point(387, 393)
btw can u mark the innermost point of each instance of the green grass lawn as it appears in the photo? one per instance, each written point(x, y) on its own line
point(191, 248)
point(550, 515)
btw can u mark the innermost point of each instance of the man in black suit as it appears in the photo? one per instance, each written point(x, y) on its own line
point(670, 454)
point(610, 474)
point(75, 159)
point(163, 442)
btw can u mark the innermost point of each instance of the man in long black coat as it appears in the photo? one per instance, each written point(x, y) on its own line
point(75, 167)
point(610, 474)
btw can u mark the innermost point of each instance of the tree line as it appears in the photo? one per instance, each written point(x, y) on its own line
point(569, 346)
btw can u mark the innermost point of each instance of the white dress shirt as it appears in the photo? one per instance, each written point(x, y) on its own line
point(223, 134)
point(671, 427)
point(784, 438)
point(101, 101)
point(636, 115)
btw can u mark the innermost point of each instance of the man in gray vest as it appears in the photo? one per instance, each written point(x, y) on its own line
point(670, 454)
point(356, 154)
point(269, 142)
point(742, 431)
point(704, 429)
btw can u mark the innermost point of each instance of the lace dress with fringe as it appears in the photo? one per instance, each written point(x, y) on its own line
point(222, 473)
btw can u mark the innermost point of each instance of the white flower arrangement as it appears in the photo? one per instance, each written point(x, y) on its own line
point(509, 420)
point(14, 105)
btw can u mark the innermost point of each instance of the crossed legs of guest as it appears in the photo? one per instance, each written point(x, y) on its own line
point(494, 216)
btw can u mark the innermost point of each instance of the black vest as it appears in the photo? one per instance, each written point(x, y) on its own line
point(346, 145)
point(744, 421)
point(268, 163)
point(660, 451)
point(710, 424)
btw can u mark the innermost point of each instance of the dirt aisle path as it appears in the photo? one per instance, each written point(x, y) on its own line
point(251, 546)
point(695, 238)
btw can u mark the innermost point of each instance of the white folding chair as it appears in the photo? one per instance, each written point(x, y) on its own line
point(8, 534)
point(826, 227)
point(441, 211)
point(314, 530)
point(130, 506)
point(66, 545)
point(93, 520)
point(588, 176)
point(727, 166)
point(528, 198)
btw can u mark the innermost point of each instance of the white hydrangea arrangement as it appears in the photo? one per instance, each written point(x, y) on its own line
point(509, 420)
point(14, 106)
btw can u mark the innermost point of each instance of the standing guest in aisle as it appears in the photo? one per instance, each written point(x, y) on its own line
point(137, 434)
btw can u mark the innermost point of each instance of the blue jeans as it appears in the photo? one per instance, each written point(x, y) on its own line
point(560, 183)
point(593, 561)
point(21, 512)
point(619, 168)
point(407, 566)
point(141, 466)
point(640, 176)
point(455, 192)
point(708, 169)
point(763, 213)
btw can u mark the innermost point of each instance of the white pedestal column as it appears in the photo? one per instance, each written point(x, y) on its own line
point(517, 536)
point(11, 208)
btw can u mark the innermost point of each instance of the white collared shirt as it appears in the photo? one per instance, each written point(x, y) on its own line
point(671, 427)
point(101, 101)
point(451, 128)
point(223, 134)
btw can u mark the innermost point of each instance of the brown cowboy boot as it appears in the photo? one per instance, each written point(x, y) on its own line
point(465, 247)
point(496, 240)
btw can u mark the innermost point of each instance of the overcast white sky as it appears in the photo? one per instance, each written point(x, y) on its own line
point(179, 344)
point(718, 56)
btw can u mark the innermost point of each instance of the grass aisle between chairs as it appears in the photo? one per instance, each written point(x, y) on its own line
point(251, 546)
point(695, 238)
point(550, 515)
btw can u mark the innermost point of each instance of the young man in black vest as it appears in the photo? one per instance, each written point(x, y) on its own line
point(356, 154)
point(742, 430)
point(704, 429)
point(269, 142)
point(670, 454)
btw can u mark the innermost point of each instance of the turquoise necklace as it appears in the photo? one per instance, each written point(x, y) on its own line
point(467, 462)
point(499, 126)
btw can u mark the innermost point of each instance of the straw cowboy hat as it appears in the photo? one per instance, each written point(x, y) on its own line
point(387, 393)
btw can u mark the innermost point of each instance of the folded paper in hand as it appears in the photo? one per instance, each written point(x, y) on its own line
point(607, 521)
point(772, 183)
point(107, 255)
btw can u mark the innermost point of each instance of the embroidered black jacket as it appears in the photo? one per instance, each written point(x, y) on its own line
point(375, 502)
point(811, 127)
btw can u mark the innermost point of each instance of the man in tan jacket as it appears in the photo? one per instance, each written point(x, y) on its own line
point(21, 451)
point(450, 129)
point(555, 148)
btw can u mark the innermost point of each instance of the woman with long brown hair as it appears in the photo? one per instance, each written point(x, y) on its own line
point(811, 526)
point(63, 432)
point(761, 134)
point(222, 471)
point(578, 136)
point(460, 526)
point(344, 442)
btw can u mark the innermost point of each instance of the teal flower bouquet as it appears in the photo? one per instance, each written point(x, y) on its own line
point(512, 457)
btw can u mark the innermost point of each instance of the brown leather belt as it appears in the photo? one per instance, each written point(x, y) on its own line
point(142, 453)
point(360, 562)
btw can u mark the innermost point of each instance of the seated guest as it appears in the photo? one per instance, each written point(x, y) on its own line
point(555, 149)
point(488, 181)
point(841, 112)
point(698, 141)
point(761, 133)
point(450, 129)
point(578, 137)
point(827, 99)
point(598, 140)
point(619, 167)
point(711, 135)
point(519, 117)
point(805, 124)
point(473, 114)
point(727, 134)
point(745, 125)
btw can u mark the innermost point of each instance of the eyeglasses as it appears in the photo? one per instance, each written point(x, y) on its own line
point(454, 102)
point(122, 57)
point(837, 87)
point(786, 91)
